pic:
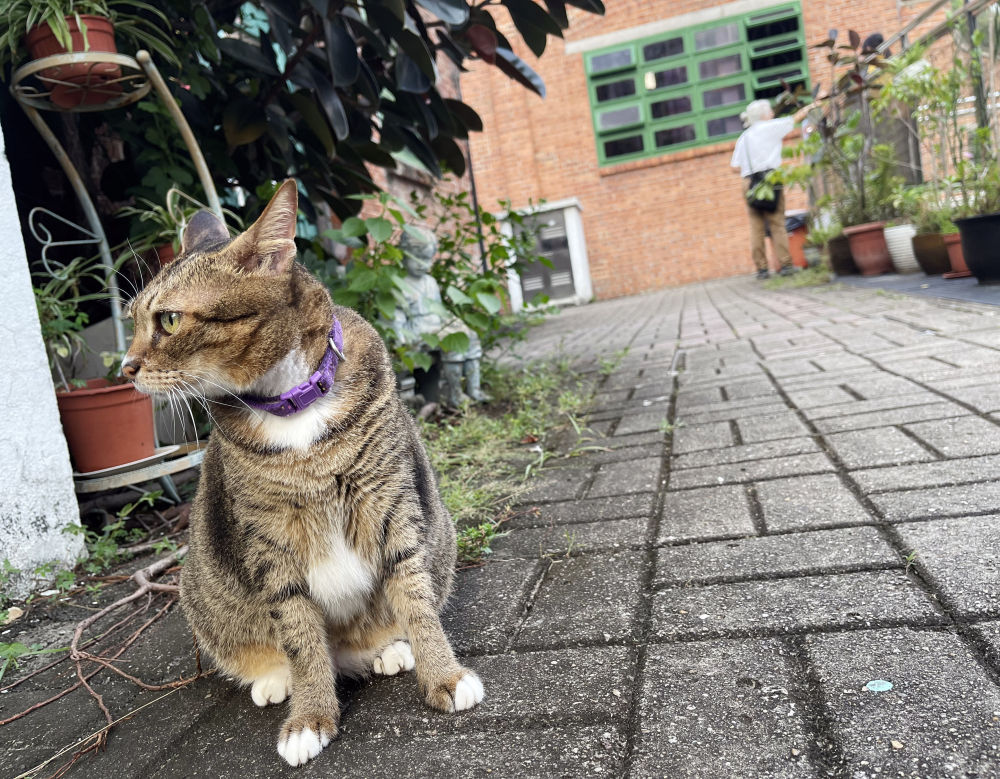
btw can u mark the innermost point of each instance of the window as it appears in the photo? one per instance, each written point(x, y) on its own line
point(687, 87)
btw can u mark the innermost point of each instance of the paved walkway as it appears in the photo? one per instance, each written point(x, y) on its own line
point(798, 498)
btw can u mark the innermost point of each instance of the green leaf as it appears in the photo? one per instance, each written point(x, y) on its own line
point(243, 122)
point(421, 360)
point(431, 340)
point(456, 296)
point(379, 228)
point(386, 305)
point(363, 280)
point(353, 227)
point(455, 342)
point(477, 320)
point(490, 302)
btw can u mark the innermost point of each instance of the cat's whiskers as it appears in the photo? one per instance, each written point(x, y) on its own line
point(226, 390)
point(185, 400)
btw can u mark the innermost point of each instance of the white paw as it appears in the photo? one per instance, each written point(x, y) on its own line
point(468, 692)
point(394, 658)
point(302, 746)
point(273, 688)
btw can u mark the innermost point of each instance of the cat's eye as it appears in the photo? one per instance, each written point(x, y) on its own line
point(170, 321)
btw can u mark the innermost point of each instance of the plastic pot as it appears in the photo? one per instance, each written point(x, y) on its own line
point(931, 253)
point(953, 243)
point(106, 425)
point(980, 242)
point(899, 240)
point(841, 259)
point(79, 83)
point(868, 247)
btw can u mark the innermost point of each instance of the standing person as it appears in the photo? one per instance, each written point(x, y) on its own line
point(759, 149)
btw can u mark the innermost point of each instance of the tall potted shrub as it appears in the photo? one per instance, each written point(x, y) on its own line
point(862, 171)
point(107, 422)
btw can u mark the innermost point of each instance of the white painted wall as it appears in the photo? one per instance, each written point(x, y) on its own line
point(36, 482)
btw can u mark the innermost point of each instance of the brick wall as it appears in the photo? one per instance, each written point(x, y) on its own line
point(649, 224)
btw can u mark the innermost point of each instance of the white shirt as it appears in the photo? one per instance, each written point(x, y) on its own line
point(763, 141)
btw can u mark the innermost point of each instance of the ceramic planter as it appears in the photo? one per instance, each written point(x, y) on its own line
point(931, 253)
point(796, 243)
point(841, 259)
point(899, 240)
point(813, 255)
point(981, 246)
point(868, 247)
point(106, 425)
point(953, 243)
point(79, 83)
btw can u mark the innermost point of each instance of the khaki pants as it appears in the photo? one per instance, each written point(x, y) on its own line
point(775, 221)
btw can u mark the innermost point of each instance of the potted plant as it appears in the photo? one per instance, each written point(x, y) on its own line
point(106, 421)
point(862, 172)
point(932, 221)
point(158, 228)
point(900, 229)
point(35, 30)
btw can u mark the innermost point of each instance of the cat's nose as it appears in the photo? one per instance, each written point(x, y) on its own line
point(130, 367)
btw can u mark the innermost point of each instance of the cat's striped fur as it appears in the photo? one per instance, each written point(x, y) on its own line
point(319, 543)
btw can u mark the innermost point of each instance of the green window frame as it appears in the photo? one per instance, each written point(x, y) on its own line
point(686, 88)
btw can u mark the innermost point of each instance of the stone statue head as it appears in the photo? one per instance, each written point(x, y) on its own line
point(419, 246)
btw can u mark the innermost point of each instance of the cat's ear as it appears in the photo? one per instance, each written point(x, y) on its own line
point(268, 246)
point(205, 229)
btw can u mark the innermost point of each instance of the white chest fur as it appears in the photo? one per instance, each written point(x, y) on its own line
point(340, 581)
point(300, 430)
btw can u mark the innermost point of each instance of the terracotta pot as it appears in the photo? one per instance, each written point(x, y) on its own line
point(106, 425)
point(959, 270)
point(899, 239)
point(82, 83)
point(868, 247)
point(165, 254)
point(841, 259)
point(931, 253)
point(980, 242)
point(796, 242)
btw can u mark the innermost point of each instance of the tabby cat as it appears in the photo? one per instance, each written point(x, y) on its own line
point(319, 543)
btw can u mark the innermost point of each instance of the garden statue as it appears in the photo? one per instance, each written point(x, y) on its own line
point(424, 312)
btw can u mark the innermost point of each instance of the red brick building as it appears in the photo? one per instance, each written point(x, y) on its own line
point(634, 138)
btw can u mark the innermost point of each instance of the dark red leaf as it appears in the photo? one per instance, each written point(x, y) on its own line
point(483, 41)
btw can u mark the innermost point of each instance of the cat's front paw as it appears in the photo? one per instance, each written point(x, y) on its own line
point(463, 691)
point(394, 658)
point(303, 737)
point(273, 688)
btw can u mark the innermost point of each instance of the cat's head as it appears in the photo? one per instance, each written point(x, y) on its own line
point(225, 311)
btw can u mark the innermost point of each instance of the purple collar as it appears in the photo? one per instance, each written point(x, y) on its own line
point(309, 391)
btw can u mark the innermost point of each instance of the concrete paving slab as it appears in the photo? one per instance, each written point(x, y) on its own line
point(588, 599)
point(591, 510)
point(960, 471)
point(725, 412)
point(625, 478)
point(939, 719)
point(736, 473)
point(712, 512)
point(796, 554)
point(692, 438)
point(849, 600)
point(767, 427)
point(486, 605)
point(781, 447)
point(877, 446)
point(557, 484)
point(960, 557)
point(605, 535)
point(644, 422)
point(559, 687)
point(939, 501)
point(894, 416)
point(962, 437)
point(721, 708)
point(808, 502)
point(988, 633)
point(897, 400)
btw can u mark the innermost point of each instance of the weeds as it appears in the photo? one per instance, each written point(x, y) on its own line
point(816, 276)
point(609, 365)
point(476, 452)
point(11, 653)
